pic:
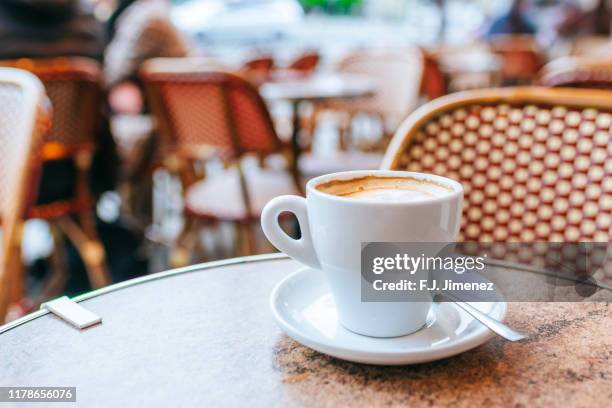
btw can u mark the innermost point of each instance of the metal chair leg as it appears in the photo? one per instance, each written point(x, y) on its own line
point(12, 283)
point(16, 269)
point(183, 249)
point(4, 300)
point(246, 242)
point(90, 248)
point(56, 280)
point(345, 132)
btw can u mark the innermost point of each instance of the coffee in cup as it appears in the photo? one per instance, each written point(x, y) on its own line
point(386, 189)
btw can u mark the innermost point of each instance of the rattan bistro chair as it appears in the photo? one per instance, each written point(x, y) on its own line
point(23, 122)
point(306, 63)
point(215, 114)
point(521, 57)
point(258, 68)
point(536, 163)
point(398, 74)
point(74, 86)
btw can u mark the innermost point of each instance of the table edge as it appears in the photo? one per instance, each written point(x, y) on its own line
point(148, 278)
point(201, 267)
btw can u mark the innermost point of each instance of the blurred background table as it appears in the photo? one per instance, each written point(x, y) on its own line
point(315, 88)
point(204, 336)
point(319, 87)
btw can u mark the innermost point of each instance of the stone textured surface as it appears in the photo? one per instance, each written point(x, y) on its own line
point(208, 339)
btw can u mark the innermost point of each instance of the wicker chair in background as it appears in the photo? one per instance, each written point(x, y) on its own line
point(260, 63)
point(258, 69)
point(398, 74)
point(535, 163)
point(23, 123)
point(74, 86)
point(465, 67)
point(521, 58)
point(434, 83)
point(578, 72)
point(306, 63)
point(206, 114)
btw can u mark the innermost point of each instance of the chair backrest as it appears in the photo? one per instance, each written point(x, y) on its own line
point(74, 85)
point(521, 56)
point(434, 83)
point(305, 63)
point(578, 72)
point(467, 66)
point(260, 66)
point(398, 74)
point(208, 110)
point(23, 123)
point(536, 163)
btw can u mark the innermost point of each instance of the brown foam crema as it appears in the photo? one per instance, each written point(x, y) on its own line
point(385, 189)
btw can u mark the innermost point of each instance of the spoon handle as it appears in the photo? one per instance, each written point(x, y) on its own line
point(496, 326)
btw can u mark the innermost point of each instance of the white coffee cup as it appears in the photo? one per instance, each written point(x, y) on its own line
point(334, 227)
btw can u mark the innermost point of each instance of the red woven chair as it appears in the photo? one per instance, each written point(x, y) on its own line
point(399, 74)
point(521, 57)
point(23, 123)
point(74, 86)
point(433, 84)
point(535, 163)
point(578, 72)
point(465, 67)
point(306, 63)
point(206, 114)
point(258, 69)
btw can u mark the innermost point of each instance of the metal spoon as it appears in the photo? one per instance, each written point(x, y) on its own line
point(496, 326)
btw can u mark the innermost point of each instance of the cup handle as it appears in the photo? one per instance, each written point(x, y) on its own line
point(301, 249)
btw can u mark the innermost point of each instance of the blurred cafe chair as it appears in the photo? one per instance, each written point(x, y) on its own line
point(521, 58)
point(258, 69)
point(398, 74)
point(305, 64)
point(137, 146)
point(74, 87)
point(535, 163)
point(578, 72)
point(23, 123)
point(469, 66)
point(434, 83)
point(205, 115)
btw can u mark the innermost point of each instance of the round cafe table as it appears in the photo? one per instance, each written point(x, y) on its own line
point(315, 88)
point(204, 336)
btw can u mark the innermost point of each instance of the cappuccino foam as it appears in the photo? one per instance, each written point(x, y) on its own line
point(385, 189)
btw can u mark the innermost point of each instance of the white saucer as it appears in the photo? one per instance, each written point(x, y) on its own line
point(304, 309)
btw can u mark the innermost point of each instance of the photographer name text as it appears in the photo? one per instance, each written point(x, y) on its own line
point(425, 284)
